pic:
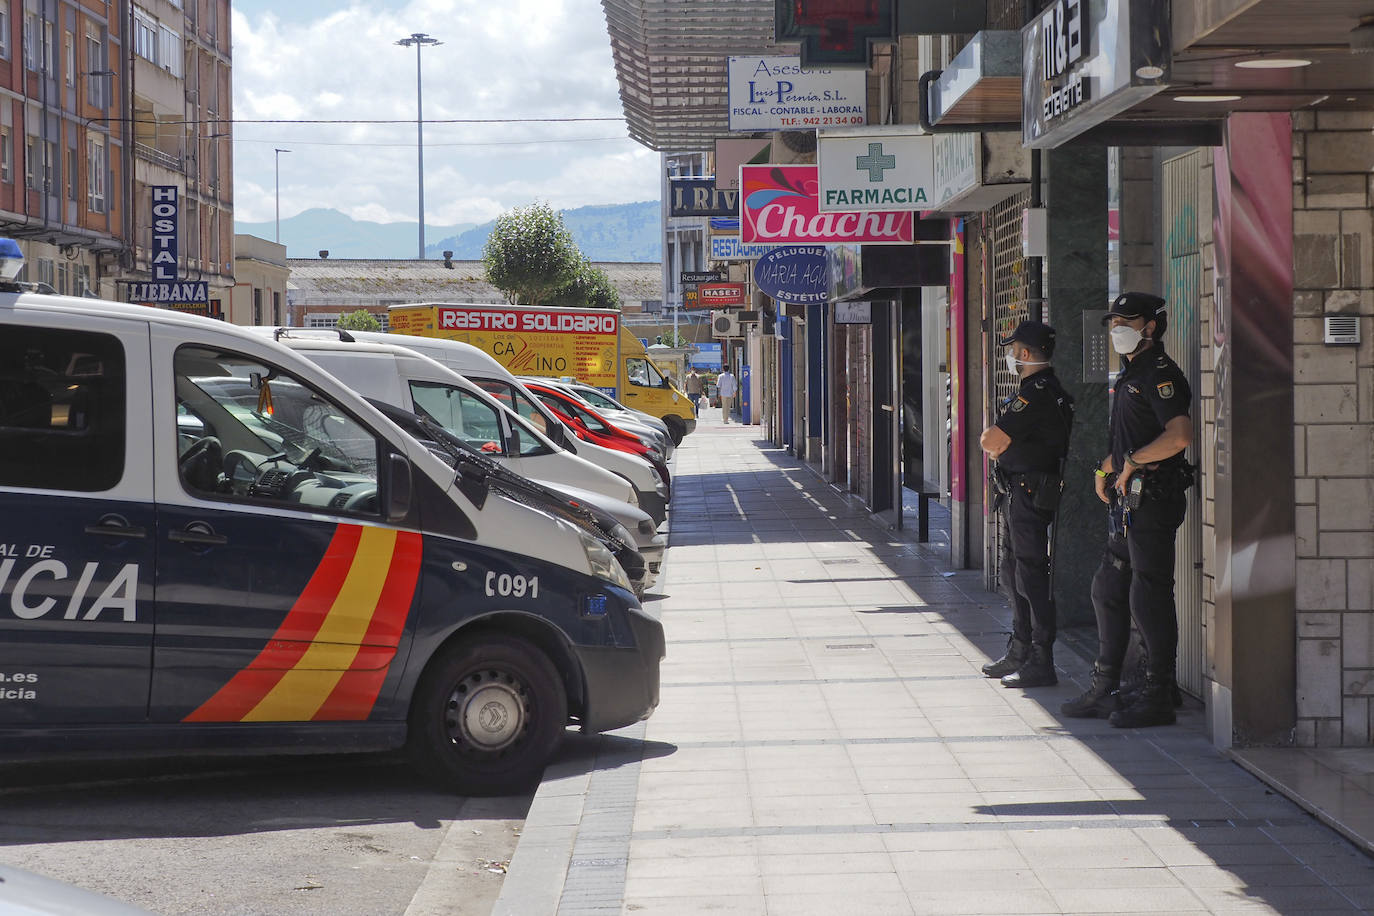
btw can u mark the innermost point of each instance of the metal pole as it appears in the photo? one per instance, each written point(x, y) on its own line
point(420, 143)
point(277, 175)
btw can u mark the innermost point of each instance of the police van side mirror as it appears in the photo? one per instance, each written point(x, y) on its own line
point(397, 488)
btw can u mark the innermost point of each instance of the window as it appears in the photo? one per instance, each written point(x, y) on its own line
point(169, 51)
point(49, 48)
point(250, 432)
point(461, 413)
point(61, 409)
point(145, 36)
point(46, 273)
point(95, 174)
point(6, 156)
point(641, 372)
point(524, 441)
point(95, 68)
point(30, 40)
point(321, 321)
point(50, 163)
point(257, 306)
point(5, 29)
point(83, 281)
point(73, 189)
point(276, 308)
point(69, 58)
point(33, 155)
point(515, 400)
point(64, 278)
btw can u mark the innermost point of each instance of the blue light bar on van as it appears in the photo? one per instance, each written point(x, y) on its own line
point(11, 259)
point(594, 606)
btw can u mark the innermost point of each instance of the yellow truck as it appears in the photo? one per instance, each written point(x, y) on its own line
point(591, 345)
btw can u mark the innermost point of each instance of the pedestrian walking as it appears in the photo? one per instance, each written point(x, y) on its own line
point(727, 387)
point(694, 389)
point(1030, 442)
point(1144, 481)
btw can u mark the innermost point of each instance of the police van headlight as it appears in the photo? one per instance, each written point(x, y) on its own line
point(602, 562)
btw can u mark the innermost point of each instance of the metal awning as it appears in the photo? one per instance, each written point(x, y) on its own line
point(670, 61)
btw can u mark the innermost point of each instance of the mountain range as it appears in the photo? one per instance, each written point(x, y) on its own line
point(614, 232)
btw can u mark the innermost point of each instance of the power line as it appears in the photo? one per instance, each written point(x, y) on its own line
point(232, 121)
point(429, 145)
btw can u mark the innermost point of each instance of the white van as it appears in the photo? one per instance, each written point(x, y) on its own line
point(403, 378)
point(209, 543)
point(480, 368)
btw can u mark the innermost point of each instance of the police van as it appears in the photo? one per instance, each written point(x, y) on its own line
point(209, 543)
point(479, 367)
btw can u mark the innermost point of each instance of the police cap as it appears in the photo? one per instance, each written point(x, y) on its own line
point(1032, 334)
point(1136, 305)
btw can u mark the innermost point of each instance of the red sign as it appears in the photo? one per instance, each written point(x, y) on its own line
point(717, 295)
point(779, 206)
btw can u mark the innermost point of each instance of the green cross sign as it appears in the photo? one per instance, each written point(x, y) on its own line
point(875, 162)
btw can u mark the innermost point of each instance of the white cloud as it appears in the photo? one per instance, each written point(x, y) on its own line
point(522, 58)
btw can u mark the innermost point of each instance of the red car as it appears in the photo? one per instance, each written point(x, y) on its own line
point(591, 426)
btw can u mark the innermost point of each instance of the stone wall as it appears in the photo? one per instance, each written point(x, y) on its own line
point(1333, 234)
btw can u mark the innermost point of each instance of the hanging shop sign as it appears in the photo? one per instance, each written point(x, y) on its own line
point(777, 93)
point(795, 274)
point(834, 31)
point(167, 287)
point(730, 248)
point(882, 271)
point(779, 204)
point(701, 276)
point(732, 153)
point(876, 169)
point(720, 295)
point(700, 197)
point(853, 312)
point(1086, 61)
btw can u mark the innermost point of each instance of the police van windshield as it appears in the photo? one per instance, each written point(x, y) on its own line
point(247, 430)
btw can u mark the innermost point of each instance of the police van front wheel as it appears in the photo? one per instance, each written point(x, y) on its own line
point(487, 716)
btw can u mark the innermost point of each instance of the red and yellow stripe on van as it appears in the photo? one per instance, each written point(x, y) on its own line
point(329, 657)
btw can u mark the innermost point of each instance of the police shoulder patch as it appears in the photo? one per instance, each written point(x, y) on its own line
point(1019, 405)
point(1166, 390)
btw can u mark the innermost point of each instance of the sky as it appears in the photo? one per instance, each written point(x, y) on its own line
point(315, 59)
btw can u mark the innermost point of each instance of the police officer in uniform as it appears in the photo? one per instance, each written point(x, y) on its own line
point(1144, 480)
point(1030, 441)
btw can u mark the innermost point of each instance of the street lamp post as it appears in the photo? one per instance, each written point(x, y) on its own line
point(277, 171)
point(419, 40)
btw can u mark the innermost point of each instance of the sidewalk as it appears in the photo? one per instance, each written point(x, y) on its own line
point(827, 745)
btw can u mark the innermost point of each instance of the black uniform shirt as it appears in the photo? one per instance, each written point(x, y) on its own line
point(1150, 392)
point(1037, 421)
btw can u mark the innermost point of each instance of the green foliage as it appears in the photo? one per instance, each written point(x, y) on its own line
point(361, 320)
point(590, 287)
point(530, 254)
point(673, 339)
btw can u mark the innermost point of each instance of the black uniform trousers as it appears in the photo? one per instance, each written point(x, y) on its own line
point(1136, 582)
point(1025, 570)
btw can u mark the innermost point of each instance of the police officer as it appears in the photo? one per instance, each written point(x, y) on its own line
point(1029, 440)
point(1144, 480)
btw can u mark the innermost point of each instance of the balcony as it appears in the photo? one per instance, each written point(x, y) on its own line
point(158, 157)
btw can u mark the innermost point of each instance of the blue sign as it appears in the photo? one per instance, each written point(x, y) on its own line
point(795, 274)
point(170, 291)
point(706, 357)
point(729, 248)
point(166, 210)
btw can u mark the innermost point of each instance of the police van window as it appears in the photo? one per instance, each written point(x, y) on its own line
point(62, 396)
point(525, 442)
point(460, 413)
point(643, 373)
point(510, 397)
point(248, 431)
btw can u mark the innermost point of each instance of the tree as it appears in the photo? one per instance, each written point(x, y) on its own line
point(530, 254)
point(590, 287)
point(361, 320)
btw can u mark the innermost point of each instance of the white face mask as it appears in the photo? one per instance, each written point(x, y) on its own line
point(1126, 339)
point(1013, 362)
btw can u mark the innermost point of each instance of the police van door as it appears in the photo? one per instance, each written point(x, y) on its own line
point(283, 595)
point(76, 523)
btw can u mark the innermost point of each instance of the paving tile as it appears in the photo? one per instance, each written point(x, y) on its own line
point(885, 904)
point(717, 905)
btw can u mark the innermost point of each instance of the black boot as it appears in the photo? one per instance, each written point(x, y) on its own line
point(1100, 699)
point(1016, 654)
point(1036, 671)
point(1154, 705)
